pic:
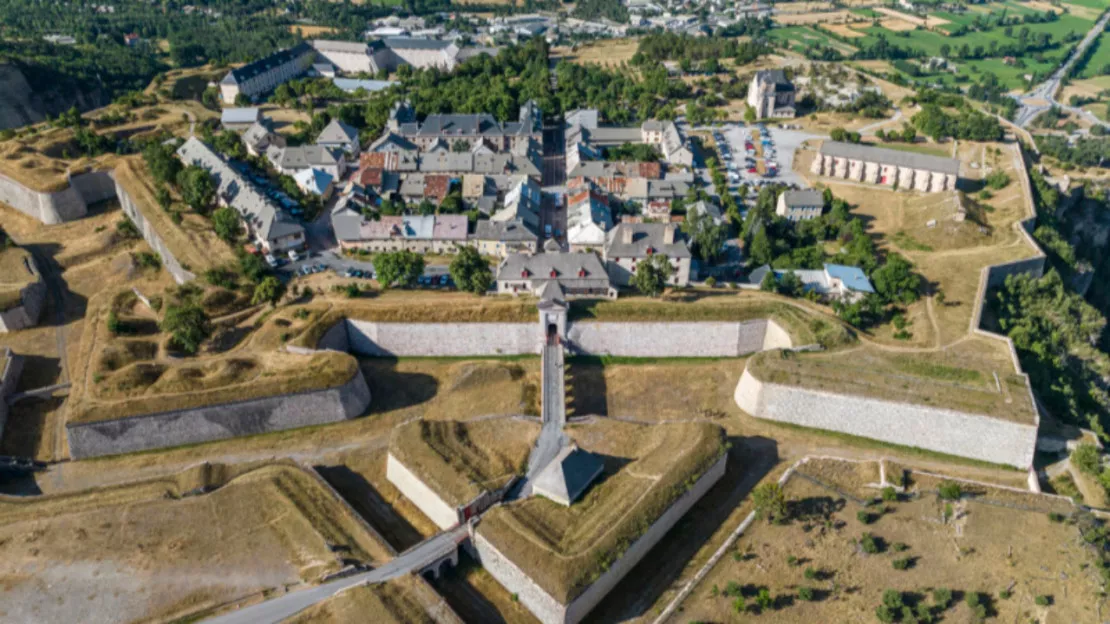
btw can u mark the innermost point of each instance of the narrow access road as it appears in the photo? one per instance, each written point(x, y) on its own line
point(283, 607)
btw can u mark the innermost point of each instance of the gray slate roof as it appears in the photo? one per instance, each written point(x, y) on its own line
point(515, 231)
point(305, 156)
point(260, 214)
point(337, 132)
point(565, 265)
point(262, 65)
point(239, 116)
point(807, 197)
point(885, 156)
point(644, 235)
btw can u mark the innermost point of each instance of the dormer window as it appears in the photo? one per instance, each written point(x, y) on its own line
point(650, 250)
point(525, 273)
point(554, 274)
point(581, 272)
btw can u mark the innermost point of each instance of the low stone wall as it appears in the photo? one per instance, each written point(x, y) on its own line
point(942, 430)
point(693, 339)
point(26, 314)
point(180, 274)
point(426, 500)
point(442, 339)
point(50, 208)
point(218, 422)
point(549, 610)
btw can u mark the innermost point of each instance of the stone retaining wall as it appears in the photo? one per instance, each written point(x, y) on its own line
point(50, 208)
point(426, 500)
point(180, 274)
point(689, 339)
point(549, 610)
point(442, 339)
point(218, 422)
point(9, 379)
point(942, 430)
point(27, 313)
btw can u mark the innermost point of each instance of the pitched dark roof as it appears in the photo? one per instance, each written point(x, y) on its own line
point(262, 65)
point(885, 156)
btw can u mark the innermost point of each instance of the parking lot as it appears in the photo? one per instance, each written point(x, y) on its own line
point(765, 159)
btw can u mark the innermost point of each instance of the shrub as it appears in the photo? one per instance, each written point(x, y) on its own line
point(942, 596)
point(1056, 516)
point(973, 599)
point(865, 517)
point(892, 598)
point(1043, 600)
point(900, 546)
point(126, 228)
point(764, 599)
point(738, 604)
point(806, 593)
point(890, 494)
point(147, 260)
point(884, 613)
point(810, 574)
point(950, 490)
point(902, 564)
point(1004, 594)
point(732, 588)
point(115, 326)
point(1086, 458)
point(770, 504)
point(870, 544)
point(711, 282)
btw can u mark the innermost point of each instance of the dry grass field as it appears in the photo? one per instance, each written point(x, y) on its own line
point(844, 30)
point(453, 389)
point(162, 549)
point(993, 541)
point(565, 549)
point(460, 460)
point(960, 378)
point(831, 17)
point(606, 52)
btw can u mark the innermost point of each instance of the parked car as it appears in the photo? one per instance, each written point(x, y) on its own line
point(293, 255)
point(271, 260)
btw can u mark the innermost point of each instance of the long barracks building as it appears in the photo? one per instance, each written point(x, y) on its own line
point(887, 167)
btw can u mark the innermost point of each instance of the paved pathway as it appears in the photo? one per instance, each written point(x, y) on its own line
point(412, 560)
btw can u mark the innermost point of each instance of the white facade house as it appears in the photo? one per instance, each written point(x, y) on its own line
point(886, 167)
point(340, 137)
point(800, 205)
point(573, 274)
point(290, 160)
point(588, 219)
point(629, 244)
point(265, 74)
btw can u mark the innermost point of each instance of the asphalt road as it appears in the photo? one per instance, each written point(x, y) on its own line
point(1047, 89)
point(282, 607)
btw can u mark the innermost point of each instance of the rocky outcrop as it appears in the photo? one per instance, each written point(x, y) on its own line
point(22, 105)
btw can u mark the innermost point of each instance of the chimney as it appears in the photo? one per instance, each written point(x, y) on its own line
point(626, 235)
point(668, 234)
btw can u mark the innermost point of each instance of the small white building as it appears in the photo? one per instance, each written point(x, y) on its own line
point(339, 136)
point(800, 205)
point(629, 244)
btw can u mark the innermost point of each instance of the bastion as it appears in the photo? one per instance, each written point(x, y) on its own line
point(978, 410)
point(11, 365)
point(559, 561)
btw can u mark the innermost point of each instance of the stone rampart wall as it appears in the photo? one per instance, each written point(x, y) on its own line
point(438, 510)
point(942, 430)
point(180, 274)
point(442, 339)
point(547, 609)
point(94, 186)
point(217, 422)
point(693, 339)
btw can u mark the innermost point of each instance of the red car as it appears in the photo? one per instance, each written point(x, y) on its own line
point(752, 170)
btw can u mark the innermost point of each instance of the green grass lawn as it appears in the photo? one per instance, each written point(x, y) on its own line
point(867, 12)
point(1100, 57)
point(799, 38)
point(1090, 4)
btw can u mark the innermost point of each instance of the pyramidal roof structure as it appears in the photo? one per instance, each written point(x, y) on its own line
point(568, 475)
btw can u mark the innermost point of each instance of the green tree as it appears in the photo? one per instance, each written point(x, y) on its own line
point(196, 187)
point(161, 161)
point(770, 503)
point(896, 282)
point(706, 235)
point(651, 275)
point(225, 221)
point(400, 268)
point(749, 115)
point(470, 271)
point(269, 290)
point(187, 325)
point(760, 250)
point(252, 267)
point(1087, 458)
